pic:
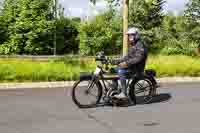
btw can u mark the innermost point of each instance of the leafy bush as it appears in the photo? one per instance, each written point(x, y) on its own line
point(67, 39)
point(101, 33)
point(29, 26)
point(184, 47)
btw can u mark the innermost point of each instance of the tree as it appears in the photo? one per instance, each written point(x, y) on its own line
point(93, 1)
point(95, 36)
point(29, 26)
point(67, 36)
point(125, 25)
point(146, 14)
point(125, 22)
point(3, 31)
point(192, 11)
point(27, 21)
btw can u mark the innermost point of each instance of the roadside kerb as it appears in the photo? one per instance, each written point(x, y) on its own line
point(63, 84)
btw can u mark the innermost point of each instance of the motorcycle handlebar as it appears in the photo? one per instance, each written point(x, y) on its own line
point(104, 61)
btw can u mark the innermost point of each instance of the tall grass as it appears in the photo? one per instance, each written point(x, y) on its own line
point(22, 70)
point(27, 70)
point(176, 65)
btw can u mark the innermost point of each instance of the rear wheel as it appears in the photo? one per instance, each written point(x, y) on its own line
point(86, 94)
point(141, 91)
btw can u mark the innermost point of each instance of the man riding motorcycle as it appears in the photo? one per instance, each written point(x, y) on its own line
point(134, 61)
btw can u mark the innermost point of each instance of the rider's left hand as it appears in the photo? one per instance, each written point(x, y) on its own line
point(123, 64)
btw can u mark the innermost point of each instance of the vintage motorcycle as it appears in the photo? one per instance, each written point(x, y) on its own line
point(102, 84)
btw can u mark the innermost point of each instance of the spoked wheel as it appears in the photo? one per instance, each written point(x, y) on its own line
point(86, 94)
point(141, 90)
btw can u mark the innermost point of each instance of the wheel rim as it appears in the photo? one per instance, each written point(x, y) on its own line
point(85, 96)
point(143, 91)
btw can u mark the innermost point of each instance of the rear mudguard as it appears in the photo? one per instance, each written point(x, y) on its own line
point(151, 74)
point(148, 74)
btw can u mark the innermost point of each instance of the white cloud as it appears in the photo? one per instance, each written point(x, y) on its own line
point(175, 6)
point(76, 12)
point(101, 4)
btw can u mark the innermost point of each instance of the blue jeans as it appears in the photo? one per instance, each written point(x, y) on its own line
point(122, 77)
point(121, 72)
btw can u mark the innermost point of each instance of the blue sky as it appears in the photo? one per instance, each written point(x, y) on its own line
point(82, 7)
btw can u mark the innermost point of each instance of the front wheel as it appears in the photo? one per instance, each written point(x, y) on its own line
point(86, 94)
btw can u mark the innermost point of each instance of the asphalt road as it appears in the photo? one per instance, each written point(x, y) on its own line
point(175, 110)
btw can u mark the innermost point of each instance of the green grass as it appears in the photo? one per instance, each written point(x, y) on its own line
point(23, 70)
point(18, 70)
point(177, 65)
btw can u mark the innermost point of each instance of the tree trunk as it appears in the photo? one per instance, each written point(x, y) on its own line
point(55, 37)
point(125, 26)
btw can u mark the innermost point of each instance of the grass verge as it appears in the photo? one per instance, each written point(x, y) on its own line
point(23, 70)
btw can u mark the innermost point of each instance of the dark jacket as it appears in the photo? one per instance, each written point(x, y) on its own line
point(136, 57)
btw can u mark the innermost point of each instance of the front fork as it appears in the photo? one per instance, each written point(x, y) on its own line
point(92, 83)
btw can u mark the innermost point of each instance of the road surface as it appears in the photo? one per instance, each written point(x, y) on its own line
point(175, 110)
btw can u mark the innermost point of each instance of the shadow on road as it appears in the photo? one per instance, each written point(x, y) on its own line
point(164, 97)
point(157, 98)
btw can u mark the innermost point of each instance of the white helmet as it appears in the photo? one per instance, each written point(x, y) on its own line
point(132, 30)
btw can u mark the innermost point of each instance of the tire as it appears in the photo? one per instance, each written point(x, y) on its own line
point(89, 104)
point(135, 93)
point(154, 85)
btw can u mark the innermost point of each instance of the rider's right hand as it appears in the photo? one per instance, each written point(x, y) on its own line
point(114, 62)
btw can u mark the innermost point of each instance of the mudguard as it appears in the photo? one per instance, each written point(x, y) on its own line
point(150, 72)
point(85, 76)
